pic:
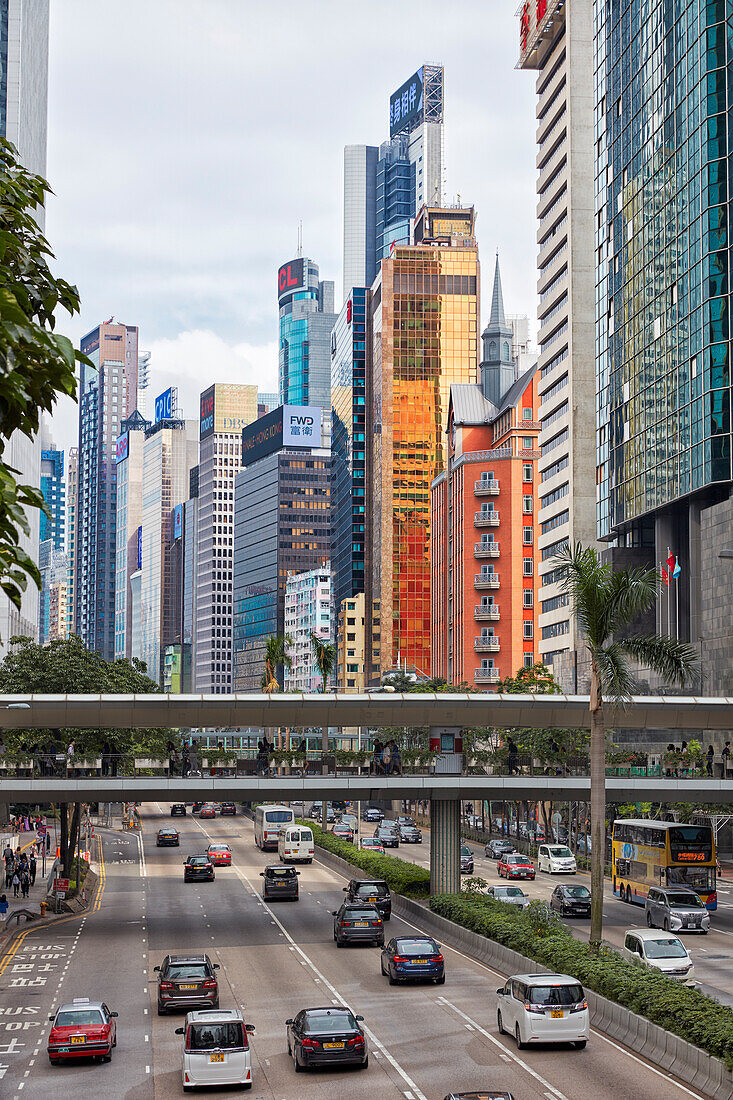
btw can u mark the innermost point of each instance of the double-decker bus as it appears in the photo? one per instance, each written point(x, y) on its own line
point(662, 853)
point(269, 820)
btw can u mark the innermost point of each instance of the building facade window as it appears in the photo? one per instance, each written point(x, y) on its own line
point(527, 505)
point(527, 567)
point(528, 628)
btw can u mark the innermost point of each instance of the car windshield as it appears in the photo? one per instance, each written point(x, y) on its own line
point(320, 1023)
point(199, 861)
point(281, 872)
point(187, 972)
point(304, 834)
point(370, 842)
point(214, 1036)
point(513, 892)
point(416, 947)
point(80, 1017)
point(555, 994)
point(577, 891)
point(465, 851)
point(371, 890)
point(515, 859)
point(274, 816)
point(219, 848)
point(686, 901)
point(365, 912)
point(561, 853)
point(665, 949)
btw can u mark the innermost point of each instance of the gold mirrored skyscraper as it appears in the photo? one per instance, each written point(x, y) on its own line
point(424, 337)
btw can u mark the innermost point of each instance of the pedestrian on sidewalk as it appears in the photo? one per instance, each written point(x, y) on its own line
point(16, 883)
point(709, 763)
point(3, 905)
point(32, 868)
point(25, 882)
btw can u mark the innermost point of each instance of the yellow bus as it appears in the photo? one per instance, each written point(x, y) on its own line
point(662, 853)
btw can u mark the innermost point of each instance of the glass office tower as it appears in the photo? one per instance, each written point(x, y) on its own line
point(662, 135)
point(424, 320)
point(305, 306)
point(348, 446)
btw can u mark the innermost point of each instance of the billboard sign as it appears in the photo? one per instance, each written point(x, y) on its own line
point(206, 426)
point(164, 405)
point(301, 425)
point(177, 521)
point(406, 104)
point(140, 547)
point(123, 447)
point(290, 277)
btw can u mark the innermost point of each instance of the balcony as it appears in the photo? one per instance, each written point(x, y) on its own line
point(486, 550)
point(486, 645)
point(486, 519)
point(486, 676)
point(486, 614)
point(486, 581)
point(485, 488)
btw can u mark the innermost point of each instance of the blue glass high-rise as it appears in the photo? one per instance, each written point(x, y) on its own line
point(306, 318)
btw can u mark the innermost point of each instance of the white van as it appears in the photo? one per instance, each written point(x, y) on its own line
point(556, 859)
point(662, 951)
point(295, 844)
point(543, 1008)
point(216, 1049)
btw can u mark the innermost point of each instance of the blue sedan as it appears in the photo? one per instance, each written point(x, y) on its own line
point(413, 958)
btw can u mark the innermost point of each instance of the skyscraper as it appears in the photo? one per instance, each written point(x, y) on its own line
point(107, 396)
point(281, 526)
point(225, 411)
point(306, 318)
point(385, 186)
point(308, 610)
point(129, 449)
point(72, 488)
point(348, 445)
point(424, 320)
point(23, 120)
point(556, 42)
point(663, 296)
point(53, 488)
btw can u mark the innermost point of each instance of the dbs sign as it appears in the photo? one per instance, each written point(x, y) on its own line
point(290, 277)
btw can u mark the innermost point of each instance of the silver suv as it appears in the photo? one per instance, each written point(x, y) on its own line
point(676, 909)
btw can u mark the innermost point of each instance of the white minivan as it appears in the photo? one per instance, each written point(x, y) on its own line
point(295, 844)
point(556, 859)
point(543, 1008)
point(662, 951)
point(216, 1049)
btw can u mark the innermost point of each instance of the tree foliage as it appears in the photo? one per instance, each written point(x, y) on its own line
point(36, 363)
point(66, 667)
point(276, 654)
point(324, 654)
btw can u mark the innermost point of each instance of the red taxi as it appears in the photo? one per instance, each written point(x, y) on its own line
point(220, 855)
point(82, 1029)
point(208, 810)
point(515, 865)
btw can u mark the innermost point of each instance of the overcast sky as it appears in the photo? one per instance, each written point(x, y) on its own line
point(187, 139)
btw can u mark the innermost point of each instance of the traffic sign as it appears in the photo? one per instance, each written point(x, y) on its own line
point(60, 884)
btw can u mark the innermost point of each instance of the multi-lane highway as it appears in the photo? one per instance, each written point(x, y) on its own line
point(275, 959)
point(712, 954)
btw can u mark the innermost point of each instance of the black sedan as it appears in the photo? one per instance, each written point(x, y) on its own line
point(466, 860)
point(326, 1037)
point(178, 809)
point(410, 834)
point(228, 809)
point(388, 835)
point(357, 922)
point(167, 838)
point(413, 958)
point(571, 901)
point(370, 892)
point(280, 882)
point(495, 849)
point(372, 813)
point(198, 869)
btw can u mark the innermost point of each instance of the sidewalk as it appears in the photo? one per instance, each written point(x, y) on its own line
point(38, 890)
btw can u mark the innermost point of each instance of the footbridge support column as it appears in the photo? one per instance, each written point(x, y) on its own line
point(445, 846)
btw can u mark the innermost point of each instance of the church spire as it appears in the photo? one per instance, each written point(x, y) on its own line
point(497, 316)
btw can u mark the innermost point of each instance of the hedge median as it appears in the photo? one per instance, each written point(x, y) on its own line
point(402, 877)
point(669, 1004)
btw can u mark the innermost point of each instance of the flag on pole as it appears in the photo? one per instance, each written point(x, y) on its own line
point(670, 561)
point(676, 571)
point(665, 575)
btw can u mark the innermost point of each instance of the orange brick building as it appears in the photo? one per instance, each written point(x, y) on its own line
point(484, 533)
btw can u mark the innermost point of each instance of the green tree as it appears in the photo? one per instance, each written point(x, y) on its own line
point(36, 363)
point(276, 655)
point(605, 604)
point(66, 667)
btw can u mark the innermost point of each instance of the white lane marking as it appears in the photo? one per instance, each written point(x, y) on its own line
point(143, 868)
point(595, 1031)
point(417, 1094)
point(551, 1091)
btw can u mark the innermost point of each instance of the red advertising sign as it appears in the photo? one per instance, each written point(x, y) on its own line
point(524, 26)
point(290, 276)
point(541, 11)
point(60, 884)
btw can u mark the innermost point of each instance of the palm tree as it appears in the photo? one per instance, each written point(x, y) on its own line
point(276, 653)
point(325, 657)
point(604, 602)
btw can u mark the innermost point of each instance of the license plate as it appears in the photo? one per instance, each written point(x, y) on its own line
point(557, 1014)
point(361, 923)
point(371, 899)
point(78, 1039)
point(333, 1046)
point(421, 961)
point(216, 1057)
point(187, 987)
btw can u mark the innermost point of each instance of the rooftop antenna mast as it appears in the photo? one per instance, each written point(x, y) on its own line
point(300, 239)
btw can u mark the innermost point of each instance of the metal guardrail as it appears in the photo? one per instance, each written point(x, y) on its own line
point(17, 914)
